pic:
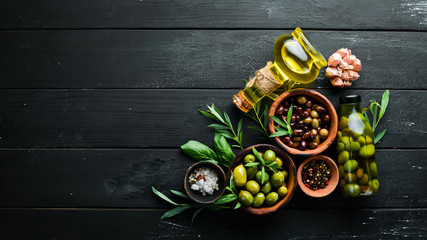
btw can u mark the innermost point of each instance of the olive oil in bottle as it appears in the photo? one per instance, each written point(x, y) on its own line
point(295, 61)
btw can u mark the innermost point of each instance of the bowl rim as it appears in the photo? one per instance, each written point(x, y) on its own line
point(292, 174)
point(333, 182)
point(221, 174)
point(333, 129)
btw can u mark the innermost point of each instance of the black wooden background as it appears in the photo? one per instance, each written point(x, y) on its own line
point(97, 96)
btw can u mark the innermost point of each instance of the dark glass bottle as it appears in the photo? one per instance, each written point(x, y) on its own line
point(356, 150)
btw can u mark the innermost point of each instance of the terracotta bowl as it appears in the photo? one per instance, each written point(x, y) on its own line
point(322, 100)
point(197, 196)
point(333, 181)
point(291, 180)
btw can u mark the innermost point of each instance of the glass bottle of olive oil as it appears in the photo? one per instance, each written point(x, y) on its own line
point(295, 61)
point(356, 151)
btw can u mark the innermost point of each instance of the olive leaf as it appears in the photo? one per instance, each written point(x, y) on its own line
point(376, 117)
point(163, 196)
point(260, 118)
point(286, 123)
point(176, 211)
point(225, 199)
point(178, 193)
point(226, 127)
point(196, 213)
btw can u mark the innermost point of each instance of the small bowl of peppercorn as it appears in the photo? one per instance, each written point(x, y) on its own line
point(318, 176)
point(312, 124)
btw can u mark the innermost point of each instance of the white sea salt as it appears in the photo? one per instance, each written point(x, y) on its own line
point(204, 180)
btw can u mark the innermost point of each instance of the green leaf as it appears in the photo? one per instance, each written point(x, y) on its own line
point(374, 112)
point(227, 120)
point(257, 108)
point(289, 116)
point(251, 164)
point(278, 121)
point(214, 111)
point(256, 128)
point(196, 213)
point(226, 134)
point(181, 194)
point(258, 156)
point(163, 196)
point(225, 199)
point(379, 136)
point(209, 115)
point(198, 151)
point(233, 184)
point(249, 116)
point(224, 152)
point(272, 164)
point(218, 126)
point(265, 115)
point(280, 133)
point(384, 103)
point(176, 211)
point(239, 126)
point(262, 174)
point(366, 116)
point(235, 146)
point(238, 205)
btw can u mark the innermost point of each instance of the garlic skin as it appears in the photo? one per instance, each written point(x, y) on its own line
point(343, 68)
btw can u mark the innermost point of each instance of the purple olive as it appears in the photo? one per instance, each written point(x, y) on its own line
point(280, 110)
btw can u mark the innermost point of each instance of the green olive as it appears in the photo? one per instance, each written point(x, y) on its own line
point(269, 155)
point(373, 170)
point(246, 198)
point(307, 120)
point(285, 173)
point(342, 172)
point(282, 190)
point(343, 157)
point(356, 135)
point(266, 188)
point(343, 123)
point(340, 147)
point(277, 179)
point(354, 146)
point(361, 140)
point(352, 189)
point(323, 133)
point(315, 123)
point(346, 132)
point(259, 200)
point(364, 179)
point(369, 140)
point(375, 185)
point(258, 177)
point(350, 178)
point(271, 198)
point(367, 151)
point(314, 114)
point(249, 158)
point(301, 100)
point(279, 161)
point(251, 172)
point(339, 136)
point(350, 166)
point(252, 186)
point(345, 140)
point(239, 175)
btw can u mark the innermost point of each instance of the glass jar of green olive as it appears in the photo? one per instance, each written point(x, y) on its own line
point(356, 150)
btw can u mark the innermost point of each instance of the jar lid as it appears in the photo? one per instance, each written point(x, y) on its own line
point(350, 99)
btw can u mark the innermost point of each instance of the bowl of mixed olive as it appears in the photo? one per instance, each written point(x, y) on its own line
point(263, 177)
point(312, 124)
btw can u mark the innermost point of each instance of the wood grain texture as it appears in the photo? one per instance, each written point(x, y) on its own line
point(123, 179)
point(332, 14)
point(164, 118)
point(145, 224)
point(193, 58)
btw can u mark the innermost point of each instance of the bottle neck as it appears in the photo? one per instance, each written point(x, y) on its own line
point(348, 108)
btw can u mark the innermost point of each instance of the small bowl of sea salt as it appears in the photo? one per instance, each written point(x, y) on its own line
point(204, 182)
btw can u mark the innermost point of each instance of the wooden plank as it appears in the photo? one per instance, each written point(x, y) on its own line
point(333, 14)
point(123, 179)
point(163, 118)
point(144, 224)
point(193, 58)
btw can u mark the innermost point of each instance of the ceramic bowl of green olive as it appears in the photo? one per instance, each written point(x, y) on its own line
point(263, 177)
point(312, 124)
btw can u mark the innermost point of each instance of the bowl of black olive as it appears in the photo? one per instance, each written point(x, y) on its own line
point(312, 126)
